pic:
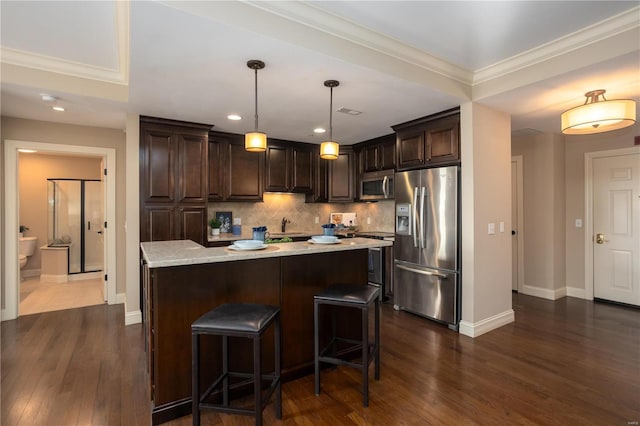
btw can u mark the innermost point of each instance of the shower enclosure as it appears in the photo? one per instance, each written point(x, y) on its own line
point(76, 220)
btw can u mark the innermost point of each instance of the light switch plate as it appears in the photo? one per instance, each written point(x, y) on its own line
point(492, 228)
point(578, 223)
point(501, 226)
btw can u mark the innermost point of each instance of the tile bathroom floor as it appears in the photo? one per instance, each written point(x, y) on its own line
point(41, 296)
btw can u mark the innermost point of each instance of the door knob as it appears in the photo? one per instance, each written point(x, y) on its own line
point(600, 239)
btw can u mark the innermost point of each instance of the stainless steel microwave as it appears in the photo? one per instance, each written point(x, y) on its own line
point(376, 186)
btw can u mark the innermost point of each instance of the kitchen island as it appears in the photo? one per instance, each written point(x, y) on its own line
point(182, 280)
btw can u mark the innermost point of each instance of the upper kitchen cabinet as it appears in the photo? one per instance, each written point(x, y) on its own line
point(341, 176)
point(320, 187)
point(244, 172)
point(288, 167)
point(378, 154)
point(174, 177)
point(217, 145)
point(432, 140)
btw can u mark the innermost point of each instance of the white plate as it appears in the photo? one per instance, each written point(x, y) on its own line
point(263, 246)
point(324, 242)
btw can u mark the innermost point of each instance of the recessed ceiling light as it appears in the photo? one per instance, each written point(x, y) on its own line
point(319, 130)
point(58, 108)
point(349, 111)
point(234, 117)
point(48, 98)
point(27, 151)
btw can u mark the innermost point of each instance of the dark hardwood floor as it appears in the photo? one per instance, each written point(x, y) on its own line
point(569, 362)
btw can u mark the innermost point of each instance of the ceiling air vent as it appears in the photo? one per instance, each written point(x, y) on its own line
point(348, 111)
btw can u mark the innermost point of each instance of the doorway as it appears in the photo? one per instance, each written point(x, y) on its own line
point(11, 273)
point(517, 224)
point(612, 243)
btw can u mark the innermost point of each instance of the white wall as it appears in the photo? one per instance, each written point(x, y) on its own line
point(486, 198)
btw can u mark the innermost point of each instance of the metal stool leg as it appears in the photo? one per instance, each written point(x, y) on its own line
point(195, 379)
point(225, 370)
point(365, 356)
point(257, 377)
point(377, 337)
point(316, 346)
point(278, 369)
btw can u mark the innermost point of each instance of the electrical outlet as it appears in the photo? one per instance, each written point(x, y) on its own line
point(368, 221)
point(501, 226)
point(317, 219)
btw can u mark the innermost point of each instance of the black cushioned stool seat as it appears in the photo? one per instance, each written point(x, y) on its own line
point(237, 320)
point(354, 296)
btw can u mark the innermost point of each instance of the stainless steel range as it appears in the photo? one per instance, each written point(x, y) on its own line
point(381, 263)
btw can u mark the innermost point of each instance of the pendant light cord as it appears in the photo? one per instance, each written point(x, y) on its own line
point(331, 115)
point(256, 93)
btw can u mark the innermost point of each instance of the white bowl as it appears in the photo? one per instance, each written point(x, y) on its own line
point(324, 238)
point(246, 244)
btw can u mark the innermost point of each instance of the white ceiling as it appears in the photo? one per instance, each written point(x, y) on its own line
point(396, 61)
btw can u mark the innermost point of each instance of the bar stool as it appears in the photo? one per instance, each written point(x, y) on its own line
point(238, 320)
point(353, 296)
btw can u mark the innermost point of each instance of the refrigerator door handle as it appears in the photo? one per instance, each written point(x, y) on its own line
point(422, 272)
point(415, 217)
point(422, 217)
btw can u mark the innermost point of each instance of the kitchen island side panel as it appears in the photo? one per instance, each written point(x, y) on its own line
point(303, 277)
point(181, 294)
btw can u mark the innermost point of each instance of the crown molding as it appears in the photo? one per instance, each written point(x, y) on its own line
point(120, 75)
point(608, 28)
point(321, 20)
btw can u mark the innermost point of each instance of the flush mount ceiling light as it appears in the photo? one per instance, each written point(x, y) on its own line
point(58, 108)
point(234, 117)
point(330, 149)
point(319, 130)
point(598, 115)
point(255, 141)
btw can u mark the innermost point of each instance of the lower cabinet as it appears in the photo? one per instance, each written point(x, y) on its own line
point(177, 222)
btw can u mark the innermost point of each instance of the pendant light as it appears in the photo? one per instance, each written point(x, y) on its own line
point(330, 149)
point(598, 115)
point(255, 141)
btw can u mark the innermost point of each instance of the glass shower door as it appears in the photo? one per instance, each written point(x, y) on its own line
point(94, 224)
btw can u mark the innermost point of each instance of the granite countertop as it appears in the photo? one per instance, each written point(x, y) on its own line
point(158, 254)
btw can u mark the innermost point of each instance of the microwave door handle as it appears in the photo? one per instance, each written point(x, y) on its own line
point(385, 189)
point(415, 217)
point(422, 217)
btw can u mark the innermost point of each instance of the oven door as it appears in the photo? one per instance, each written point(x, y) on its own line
point(376, 265)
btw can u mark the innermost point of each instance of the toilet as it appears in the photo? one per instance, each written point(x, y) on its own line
point(27, 247)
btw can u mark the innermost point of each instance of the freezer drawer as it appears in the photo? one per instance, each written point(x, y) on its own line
point(427, 292)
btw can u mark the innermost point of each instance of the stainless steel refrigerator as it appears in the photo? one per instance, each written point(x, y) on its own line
point(427, 256)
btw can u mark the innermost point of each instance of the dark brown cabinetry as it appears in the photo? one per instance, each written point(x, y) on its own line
point(432, 140)
point(234, 173)
point(320, 186)
point(341, 177)
point(288, 167)
point(378, 154)
point(173, 180)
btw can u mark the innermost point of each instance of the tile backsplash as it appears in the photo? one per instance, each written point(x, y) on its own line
point(302, 215)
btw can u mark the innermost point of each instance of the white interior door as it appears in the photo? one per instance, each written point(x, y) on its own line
point(616, 228)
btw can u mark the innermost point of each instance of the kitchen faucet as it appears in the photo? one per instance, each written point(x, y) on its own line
point(284, 224)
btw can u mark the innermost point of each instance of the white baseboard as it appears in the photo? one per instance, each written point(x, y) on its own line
point(131, 318)
point(580, 293)
point(545, 293)
point(28, 273)
point(4, 316)
point(54, 278)
point(477, 328)
point(121, 298)
point(85, 276)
